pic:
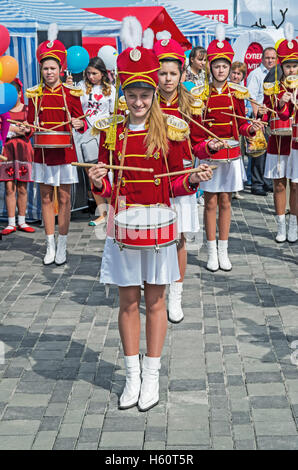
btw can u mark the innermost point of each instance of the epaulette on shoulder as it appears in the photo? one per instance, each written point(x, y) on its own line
point(104, 123)
point(270, 89)
point(34, 91)
point(122, 106)
point(74, 90)
point(197, 107)
point(177, 129)
point(239, 91)
point(199, 92)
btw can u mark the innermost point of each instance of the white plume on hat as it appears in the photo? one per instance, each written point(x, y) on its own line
point(220, 32)
point(131, 32)
point(289, 31)
point(148, 38)
point(53, 32)
point(163, 35)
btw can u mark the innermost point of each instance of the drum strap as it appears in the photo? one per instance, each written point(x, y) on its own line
point(120, 172)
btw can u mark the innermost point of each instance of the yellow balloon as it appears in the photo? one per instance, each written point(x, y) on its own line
point(1, 70)
point(278, 43)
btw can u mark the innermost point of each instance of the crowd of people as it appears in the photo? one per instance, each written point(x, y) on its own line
point(154, 148)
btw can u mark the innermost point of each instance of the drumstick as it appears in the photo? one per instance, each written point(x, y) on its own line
point(185, 172)
point(258, 104)
point(3, 158)
point(113, 167)
point(204, 128)
point(247, 118)
point(68, 122)
point(18, 123)
point(295, 105)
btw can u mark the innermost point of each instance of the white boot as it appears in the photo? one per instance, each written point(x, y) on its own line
point(212, 263)
point(281, 235)
point(50, 253)
point(292, 230)
point(223, 258)
point(60, 257)
point(149, 395)
point(131, 392)
point(175, 313)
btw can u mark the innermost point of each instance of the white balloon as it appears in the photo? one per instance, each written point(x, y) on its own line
point(109, 55)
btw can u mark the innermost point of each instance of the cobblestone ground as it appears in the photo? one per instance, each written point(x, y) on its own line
point(227, 379)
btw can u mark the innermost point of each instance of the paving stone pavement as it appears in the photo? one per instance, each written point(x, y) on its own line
point(227, 379)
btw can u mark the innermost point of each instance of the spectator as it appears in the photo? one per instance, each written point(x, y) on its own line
point(196, 70)
point(259, 184)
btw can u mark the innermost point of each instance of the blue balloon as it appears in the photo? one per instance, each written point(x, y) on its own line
point(8, 97)
point(77, 59)
point(186, 53)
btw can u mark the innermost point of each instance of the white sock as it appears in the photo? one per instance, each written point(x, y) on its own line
point(12, 221)
point(281, 218)
point(21, 219)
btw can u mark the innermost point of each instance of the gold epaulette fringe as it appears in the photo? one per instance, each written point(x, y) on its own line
point(270, 89)
point(74, 90)
point(197, 107)
point(239, 91)
point(34, 91)
point(177, 129)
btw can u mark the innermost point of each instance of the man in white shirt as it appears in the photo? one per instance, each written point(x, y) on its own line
point(259, 184)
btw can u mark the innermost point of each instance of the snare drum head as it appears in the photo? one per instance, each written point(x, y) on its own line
point(145, 217)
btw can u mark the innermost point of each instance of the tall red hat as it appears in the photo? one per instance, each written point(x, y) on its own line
point(52, 48)
point(138, 65)
point(287, 49)
point(169, 49)
point(220, 48)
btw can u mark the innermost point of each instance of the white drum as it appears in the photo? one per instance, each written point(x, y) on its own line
point(146, 227)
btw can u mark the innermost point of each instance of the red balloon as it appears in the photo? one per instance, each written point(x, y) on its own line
point(4, 39)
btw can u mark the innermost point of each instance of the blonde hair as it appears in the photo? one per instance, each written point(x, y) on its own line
point(157, 131)
point(185, 100)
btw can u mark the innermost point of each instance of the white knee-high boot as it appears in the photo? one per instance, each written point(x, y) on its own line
point(223, 258)
point(131, 392)
point(175, 312)
point(51, 248)
point(212, 262)
point(149, 395)
point(60, 257)
point(281, 235)
point(292, 230)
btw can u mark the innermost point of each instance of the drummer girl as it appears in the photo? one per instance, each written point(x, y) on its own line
point(173, 97)
point(229, 175)
point(141, 141)
point(51, 104)
point(16, 171)
point(279, 166)
point(98, 100)
point(289, 50)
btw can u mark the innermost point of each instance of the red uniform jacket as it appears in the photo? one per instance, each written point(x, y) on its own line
point(285, 113)
point(226, 127)
point(141, 188)
point(51, 112)
point(196, 140)
point(277, 144)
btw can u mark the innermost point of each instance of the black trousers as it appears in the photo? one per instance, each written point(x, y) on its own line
point(257, 173)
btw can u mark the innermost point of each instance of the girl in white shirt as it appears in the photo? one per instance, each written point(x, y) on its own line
point(98, 101)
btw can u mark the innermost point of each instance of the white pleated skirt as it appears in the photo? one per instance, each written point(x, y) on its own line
point(187, 213)
point(134, 267)
point(276, 166)
point(292, 168)
point(54, 175)
point(227, 178)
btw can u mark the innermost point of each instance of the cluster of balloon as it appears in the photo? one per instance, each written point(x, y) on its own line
point(77, 59)
point(108, 55)
point(8, 72)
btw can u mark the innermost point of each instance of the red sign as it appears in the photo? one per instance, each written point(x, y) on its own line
point(219, 15)
point(253, 56)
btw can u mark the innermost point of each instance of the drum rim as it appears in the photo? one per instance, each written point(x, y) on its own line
point(164, 224)
point(228, 141)
point(144, 247)
point(225, 160)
